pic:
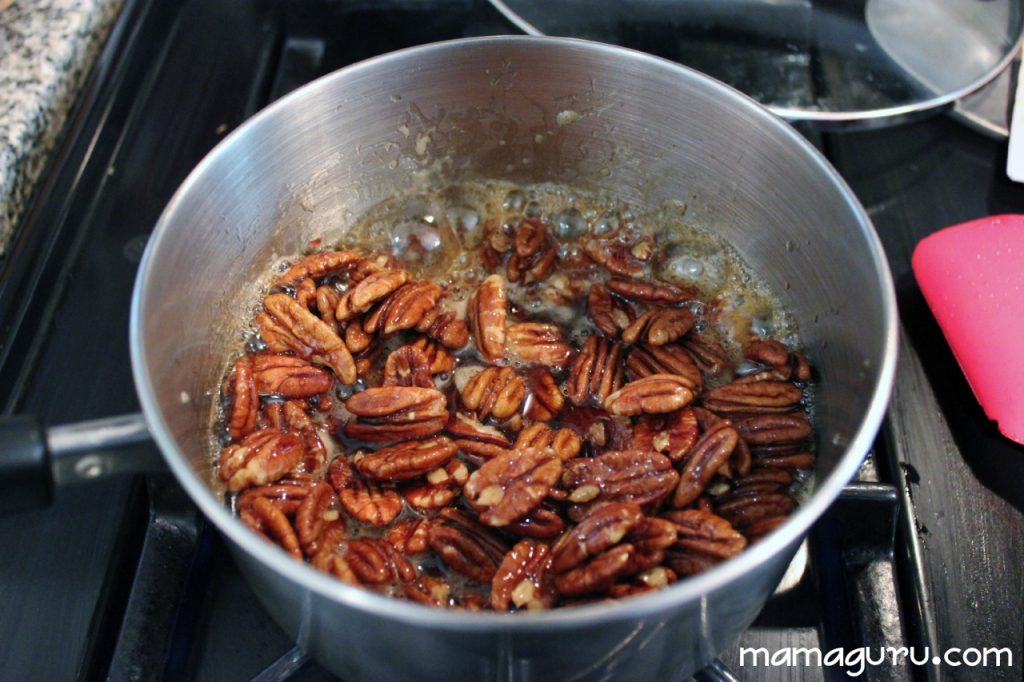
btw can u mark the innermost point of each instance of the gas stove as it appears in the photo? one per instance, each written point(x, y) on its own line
point(124, 580)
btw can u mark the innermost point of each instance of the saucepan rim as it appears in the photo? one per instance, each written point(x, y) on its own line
point(688, 590)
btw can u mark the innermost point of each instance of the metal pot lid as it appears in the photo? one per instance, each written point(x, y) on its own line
point(838, 62)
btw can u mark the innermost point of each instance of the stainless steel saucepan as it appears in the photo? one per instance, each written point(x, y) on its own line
point(528, 110)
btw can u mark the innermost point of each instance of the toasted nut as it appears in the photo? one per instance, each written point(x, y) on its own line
point(261, 457)
point(523, 578)
point(659, 326)
point(496, 392)
point(408, 366)
point(287, 326)
point(646, 360)
point(407, 460)
point(709, 455)
point(609, 314)
point(596, 372)
point(487, 318)
point(654, 394)
point(319, 265)
point(288, 376)
point(511, 485)
point(648, 292)
point(244, 400)
point(538, 342)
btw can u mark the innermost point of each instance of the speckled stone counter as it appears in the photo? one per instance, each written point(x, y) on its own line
point(47, 47)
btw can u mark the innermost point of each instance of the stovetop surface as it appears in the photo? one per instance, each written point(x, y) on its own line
point(122, 579)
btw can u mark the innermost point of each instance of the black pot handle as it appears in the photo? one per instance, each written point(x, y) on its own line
point(35, 462)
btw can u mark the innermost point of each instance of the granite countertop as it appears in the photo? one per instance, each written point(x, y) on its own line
point(47, 47)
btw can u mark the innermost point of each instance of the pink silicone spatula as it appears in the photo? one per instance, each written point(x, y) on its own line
point(972, 276)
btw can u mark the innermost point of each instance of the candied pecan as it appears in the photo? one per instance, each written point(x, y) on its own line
point(709, 355)
point(261, 457)
point(462, 426)
point(367, 360)
point(326, 303)
point(596, 372)
point(672, 435)
point(440, 488)
point(404, 309)
point(564, 442)
point(426, 590)
point(535, 255)
point(285, 495)
point(440, 360)
point(319, 265)
point(796, 460)
point(314, 513)
point(371, 503)
point(759, 397)
point(651, 579)
point(545, 399)
point(356, 338)
point(370, 560)
point(272, 522)
point(409, 536)
point(511, 485)
point(244, 400)
point(305, 293)
point(292, 327)
point(785, 364)
point(633, 476)
point(494, 392)
point(523, 578)
point(650, 540)
point(543, 523)
point(609, 314)
point(597, 574)
point(325, 547)
point(773, 429)
point(444, 327)
point(408, 366)
point(615, 256)
point(644, 361)
point(709, 454)
point(758, 529)
point(538, 342)
point(406, 460)
point(704, 540)
point(659, 326)
point(602, 529)
point(465, 546)
point(381, 431)
point(370, 290)
point(654, 394)
point(398, 403)
point(487, 316)
point(742, 511)
point(288, 376)
point(294, 418)
point(648, 292)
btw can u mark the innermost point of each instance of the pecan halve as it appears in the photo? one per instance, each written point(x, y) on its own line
point(371, 503)
point(746, 510)
point(404, 309)
point(496, 392)
point(439, 487)
point(773, 429)
point(487, 316)
point(624, 476)
point(440, 360)
point(371, 560)
point(596, 372)
point(649, 292)
point(408, 366)
point(759, 397)
point(305, 293)
point(673, 435)
point(644, 361)
point(244, 400)
point(511, 485)
point(609, 314)
point(565, 443)
point(709, 354)
point(382, 431)
point(654, 394)
point(370, 290)
point(603, 528)
point(538, 342)
point(464, 427)
point(542, 523)
point(261, 457)
point(409, 536)
point(615, 256)
point(704, 540)
point(314, 513)
point(523, 578)
point(710, 454)
point(398, 403)
point(318, 265)
point(356, 338)
point(444, 327)
point(535, 255)
point(292, 327)
point(326, 302)
point(267, 519)
point(545, 399)
point(288, 376)
point(406, 460)
point(659, 326)
point(466, 546)
point(597, 574)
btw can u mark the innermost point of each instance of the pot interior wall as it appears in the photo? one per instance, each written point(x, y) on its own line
point(529, 112)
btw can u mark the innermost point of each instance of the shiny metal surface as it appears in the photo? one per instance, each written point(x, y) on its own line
point(89, 450)
point(834, 63)
point(649, 131)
